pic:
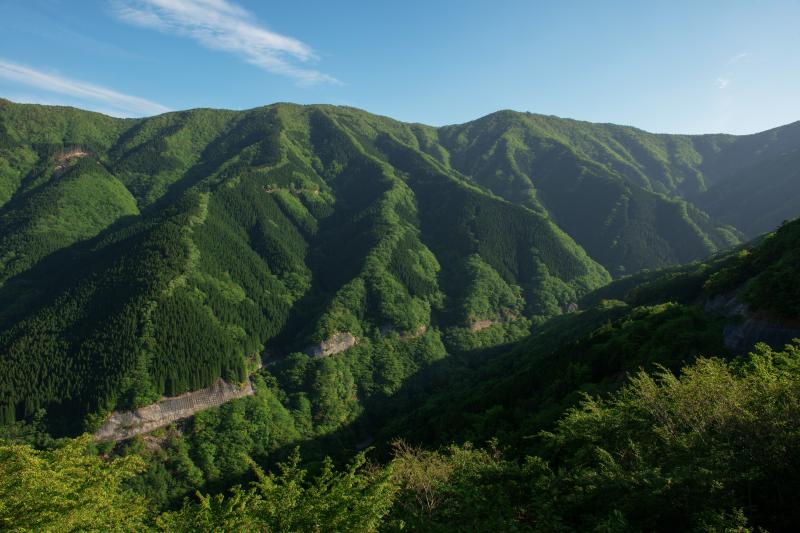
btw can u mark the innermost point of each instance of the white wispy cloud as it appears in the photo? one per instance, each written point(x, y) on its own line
point(223, 25)
point(118, 103)
point(722, 83)
point(738, 58)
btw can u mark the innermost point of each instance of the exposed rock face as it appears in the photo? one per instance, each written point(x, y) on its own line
point(752, 328)
point(415, 333)
point(479, 325)
point(338, 343)
point(569, 308)
point(64, 160)
point(126, 424)
point(726, 304)
point(742, 337)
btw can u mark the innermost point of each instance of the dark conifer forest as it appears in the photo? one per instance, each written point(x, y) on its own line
point(521, 323)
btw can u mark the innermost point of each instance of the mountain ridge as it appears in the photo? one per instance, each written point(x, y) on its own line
point(411, 123)
point(368, 280)
point(286, 225)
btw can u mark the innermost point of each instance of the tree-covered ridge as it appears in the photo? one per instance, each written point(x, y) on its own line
point(81, 202)
point(713, 448)
point(652, 320)
point(148, 257)
point(618, 191)
point(580, 172)
point(154, 256)
point(235, 231)
point(663, 163)
point(507, 393)
point(765, 277)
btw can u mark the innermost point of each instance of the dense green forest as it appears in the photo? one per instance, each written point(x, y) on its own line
point(215, 236)
point(711, 449)
point(511, 324)
point(206, 238)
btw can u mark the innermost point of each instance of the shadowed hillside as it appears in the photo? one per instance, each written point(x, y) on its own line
point(150, 257)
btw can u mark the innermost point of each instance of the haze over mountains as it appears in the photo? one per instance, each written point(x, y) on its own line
point(152, 256)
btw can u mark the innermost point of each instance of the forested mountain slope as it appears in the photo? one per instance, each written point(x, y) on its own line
point(173, 249)
point(148, 257)
point(759, 188)
point(634, 199)
point(614, 416)
point(656, 319)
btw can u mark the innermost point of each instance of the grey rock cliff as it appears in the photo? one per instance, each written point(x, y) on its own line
point(750, 328)
point(741, 338)
point(123, 425)
point(337, 343)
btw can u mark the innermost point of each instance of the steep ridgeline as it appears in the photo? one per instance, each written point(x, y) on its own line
point(757, 183)
point(634, 199)
point(178, 245)
point(666, 319)
point(142, 258)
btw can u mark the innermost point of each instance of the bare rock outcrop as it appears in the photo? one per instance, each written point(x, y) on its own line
point(570, 307)
point(66, 158)
point(479, 325)
point(751, 328)
point(123, 425)
point(337, 343)
point(726, 304)
point(741, 338)
point(415, 333)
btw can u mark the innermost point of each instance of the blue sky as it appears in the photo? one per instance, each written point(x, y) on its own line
point(664, 66)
